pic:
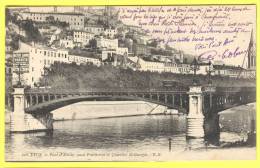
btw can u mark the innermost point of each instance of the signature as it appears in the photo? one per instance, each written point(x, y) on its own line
point(210, 55)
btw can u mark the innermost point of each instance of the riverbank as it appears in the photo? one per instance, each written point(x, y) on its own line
point(238, 125)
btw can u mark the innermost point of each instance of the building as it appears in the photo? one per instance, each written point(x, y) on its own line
point(141, 49)
point(55, 36)
point(162, 58)
point(107, 43)
point(179, 56)
point(75, 20)
point(229, 71)
point(184, 69)
point(172, 67)
point(96, 29)
point(107, 54)
point(122, 51)
point(83, 37)
point(204, 68)
point(110, 33)
point(152, 66)
point(83, 57)
point(67, 42)
point(40, 57)
point(129, 44)
point(144, 64)
point(132, 28)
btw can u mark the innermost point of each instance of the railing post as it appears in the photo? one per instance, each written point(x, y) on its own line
point(37, 99)
point(181, 101)
point(173, 97)
point(31, 100)
point(165, 98)
point(43, 100)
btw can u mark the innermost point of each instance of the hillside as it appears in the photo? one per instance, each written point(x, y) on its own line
point(72, 76)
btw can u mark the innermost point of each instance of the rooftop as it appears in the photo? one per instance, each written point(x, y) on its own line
point(52, 13)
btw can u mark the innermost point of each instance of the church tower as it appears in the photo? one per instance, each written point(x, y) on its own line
point(251, 55)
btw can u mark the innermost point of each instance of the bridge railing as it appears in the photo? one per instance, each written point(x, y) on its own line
point(102, 90)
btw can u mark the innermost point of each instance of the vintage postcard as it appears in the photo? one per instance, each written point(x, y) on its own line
point(130, 83)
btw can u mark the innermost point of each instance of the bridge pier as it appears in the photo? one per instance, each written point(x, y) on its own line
point(195, 118)
point(22, 122)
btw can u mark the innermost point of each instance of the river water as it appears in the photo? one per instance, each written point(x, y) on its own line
point(135, 138)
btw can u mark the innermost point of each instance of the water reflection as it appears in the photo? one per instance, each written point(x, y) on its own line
point(139, 133)
point(110, 133)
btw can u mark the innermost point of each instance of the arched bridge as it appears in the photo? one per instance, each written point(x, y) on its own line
point(197, 101)
point(44, 101)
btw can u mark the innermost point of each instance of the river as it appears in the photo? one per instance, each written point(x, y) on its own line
point(132, 138)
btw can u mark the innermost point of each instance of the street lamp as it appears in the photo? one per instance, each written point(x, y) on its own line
point(209, 71)
point(45, 73)
point(194, 67)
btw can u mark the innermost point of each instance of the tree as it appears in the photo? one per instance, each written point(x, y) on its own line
point(153, 43)
point(50, 19)
point(93, 43)
point(31, 31)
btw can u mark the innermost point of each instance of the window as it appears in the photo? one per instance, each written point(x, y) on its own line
point(32, 69)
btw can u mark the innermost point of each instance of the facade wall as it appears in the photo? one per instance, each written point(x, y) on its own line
point(97, 30)
point(122, 51)
point(76, 21)
point(107, 43)
point(82, 37)
point(67, 43)
point(110, 32)
point(83, 60)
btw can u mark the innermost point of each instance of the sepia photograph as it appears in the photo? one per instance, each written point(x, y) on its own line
point(130, 83)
